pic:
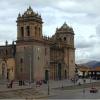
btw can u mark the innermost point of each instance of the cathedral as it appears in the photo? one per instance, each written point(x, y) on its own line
point(36, 57)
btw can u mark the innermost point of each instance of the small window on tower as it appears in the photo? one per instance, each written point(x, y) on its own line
point(39, 31)
point(22, 31)
point(21, 63)
point(35, 30)
point(28, 30)
point(64, 38)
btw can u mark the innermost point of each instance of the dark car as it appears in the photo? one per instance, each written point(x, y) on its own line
point(93, 90)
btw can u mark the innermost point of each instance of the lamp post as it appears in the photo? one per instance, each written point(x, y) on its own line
point(75, 76)
point(30, 69)
point(84, 81)
point(30, 79)
point(48, 84)
point(48, 78)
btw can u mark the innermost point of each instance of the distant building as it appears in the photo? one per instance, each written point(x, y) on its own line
point(34, 55)
point(88, 71)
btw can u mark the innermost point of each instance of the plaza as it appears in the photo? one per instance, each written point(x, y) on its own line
point(47, 49)
point(68, 91)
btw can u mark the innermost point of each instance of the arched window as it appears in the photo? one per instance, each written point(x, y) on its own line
point(21, 62)
point(22, 32)
point(64, 38)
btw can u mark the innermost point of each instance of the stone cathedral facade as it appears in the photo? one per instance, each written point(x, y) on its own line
point(33, 56)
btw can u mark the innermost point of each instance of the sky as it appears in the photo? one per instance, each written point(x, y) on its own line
point(82, 15)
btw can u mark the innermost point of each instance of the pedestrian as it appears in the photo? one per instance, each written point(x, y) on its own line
point(11, 84)
point(79, 83)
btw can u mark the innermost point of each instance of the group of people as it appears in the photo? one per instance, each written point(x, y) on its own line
point(10, 84)
point(74, 80)
point(38, 83)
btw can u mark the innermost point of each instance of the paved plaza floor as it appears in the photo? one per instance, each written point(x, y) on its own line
point(75, 94)
point(31, 91)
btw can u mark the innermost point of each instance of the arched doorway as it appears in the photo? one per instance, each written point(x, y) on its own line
point(8, 73)
point(59, 71)
point(65, 74)
point(46, 75)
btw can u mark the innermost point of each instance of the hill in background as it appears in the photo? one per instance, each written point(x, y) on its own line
point(92, 64)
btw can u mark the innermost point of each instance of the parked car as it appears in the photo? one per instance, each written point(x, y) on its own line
point(93, 90)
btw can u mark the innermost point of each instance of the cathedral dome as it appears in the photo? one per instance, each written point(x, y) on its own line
point(64, 29)
point(64, 26)
point(29, 14)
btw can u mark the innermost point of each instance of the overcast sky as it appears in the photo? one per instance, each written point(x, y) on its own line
point(82, 15)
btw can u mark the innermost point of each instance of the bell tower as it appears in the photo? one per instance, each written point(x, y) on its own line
point(29, 25)
point(65, 34)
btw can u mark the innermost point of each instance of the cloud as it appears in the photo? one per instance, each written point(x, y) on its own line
point(84, 45)
point(98, 30)
point(82, 15)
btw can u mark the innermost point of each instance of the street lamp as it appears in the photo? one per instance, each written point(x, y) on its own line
point(48, 78)
point(84, 81)
point(75, 76)
point(48, 84)
point(30, 79)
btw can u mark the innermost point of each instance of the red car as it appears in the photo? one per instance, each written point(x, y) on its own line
point(93, 90)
